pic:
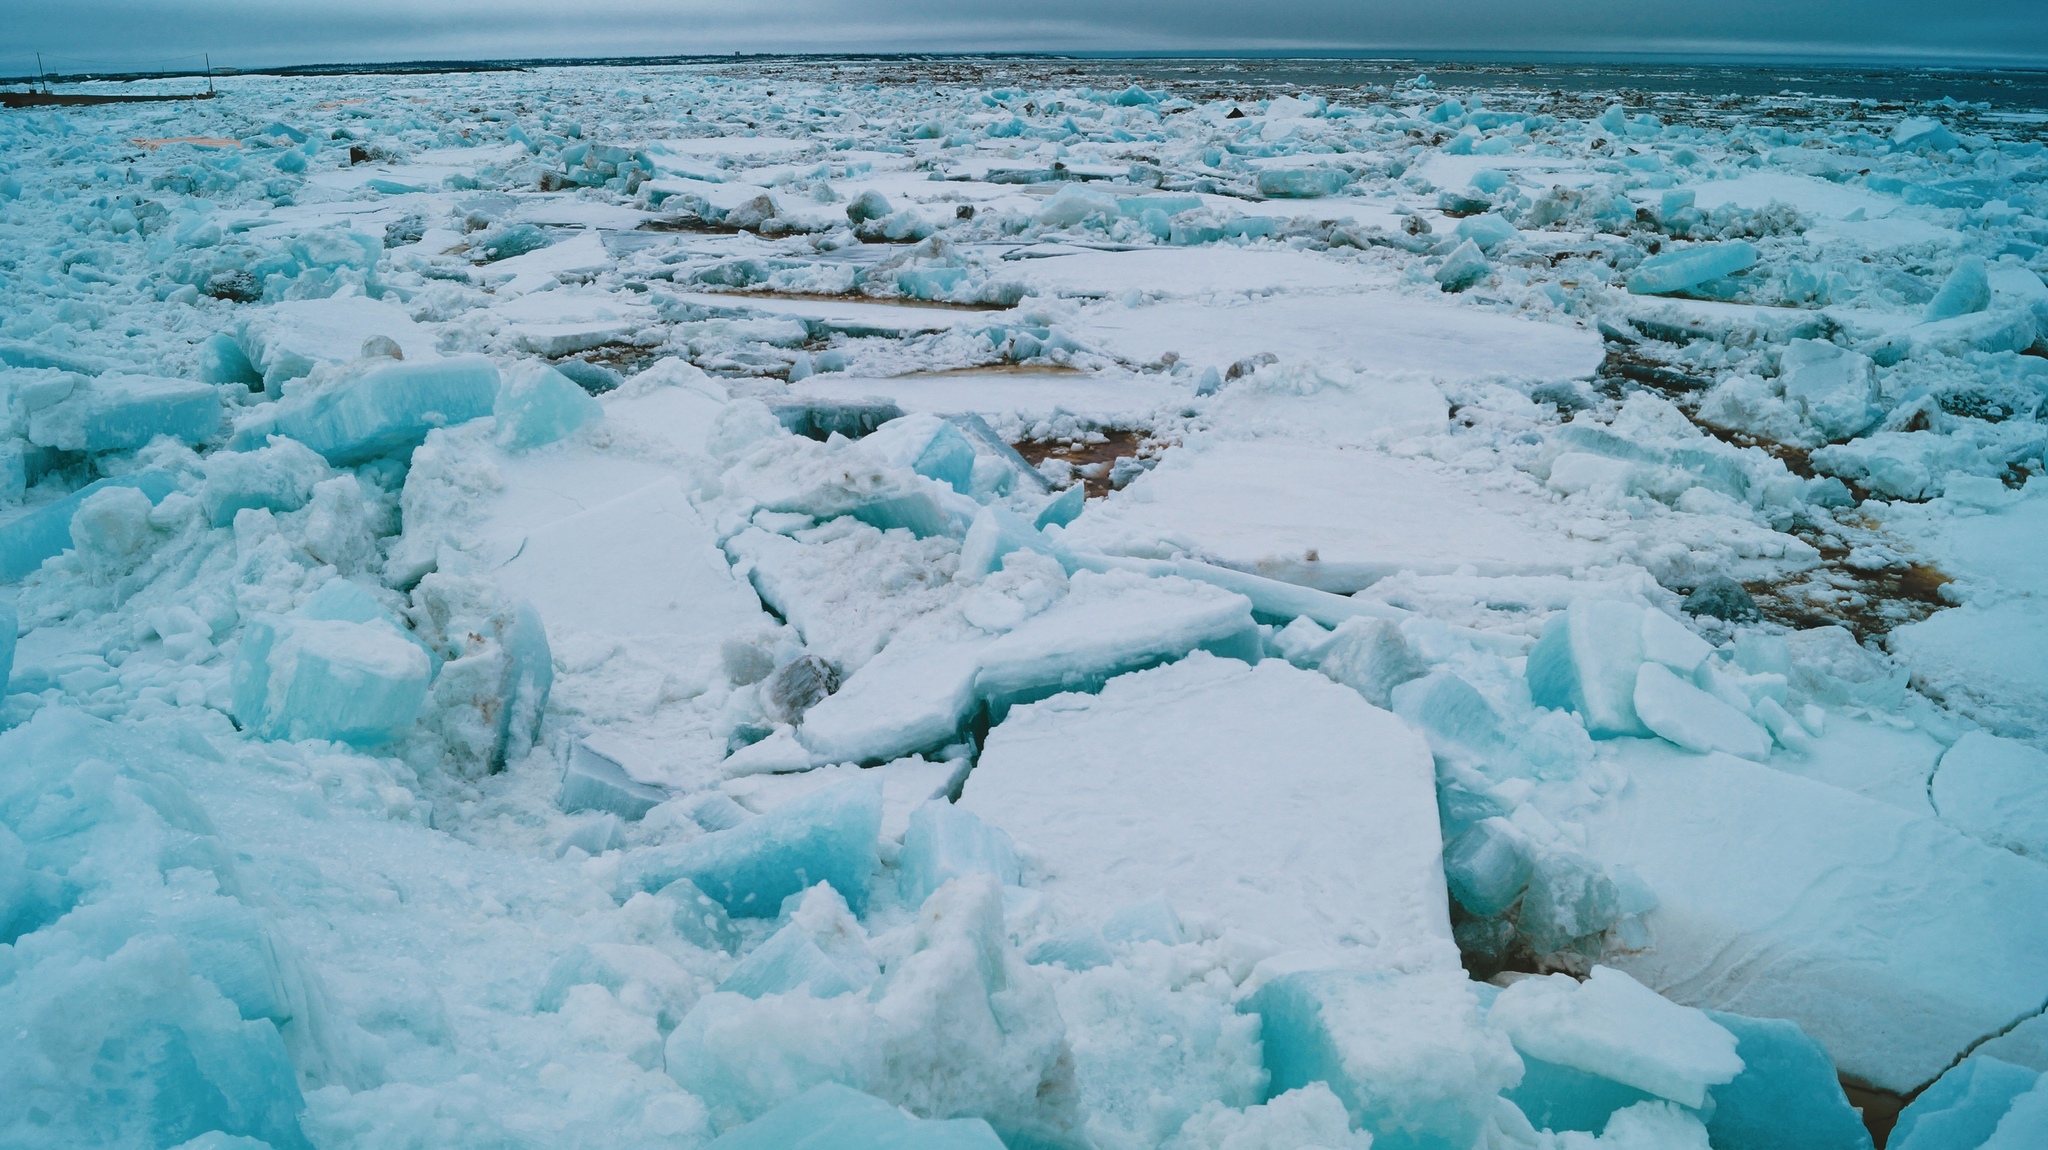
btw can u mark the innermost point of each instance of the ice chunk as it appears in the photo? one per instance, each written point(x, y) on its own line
point(495, 674)
point(644, 973)
point(1963, 1107)
point(1834, 388)
point(697, 917)
point(1302, 183)
point(1370, 657)
point(797, 686)
point(1465, 266)
point(1109, 624)
point(301, 678)
point(288, 340)
point(914, 696)
point(928, 445)
point(996, 532)
point(1152, 920)
point(1888, 937)
point(1489, 231)
point(822, 951)
point(1690, 266)
point(1966, 290)
point(1306, 1116)
point(834, 1117)
point(382, 410)
point(594, 836)
point(828, 836)
point(946, 841)
point(111, 533)
point(123, 412)
point(2025, 1125)
point(1720, 597)
point(1586, 662)
point(1487, 867)
point(1180, 780)
point(1916, 132)
point(1408, 1055)
point(1615, 1027)
point(821, 419)
point(45, 532)
point(279, 477)
point(869, 205)
point(9, 622)
point(1787, 1096)
point(594, 781)
point(538, 405)
point(1997, 790)
point(1676, 710)
point(1075, 204)
point(1064, 508)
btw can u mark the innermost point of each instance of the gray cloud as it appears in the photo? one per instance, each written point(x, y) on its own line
point(134, 33)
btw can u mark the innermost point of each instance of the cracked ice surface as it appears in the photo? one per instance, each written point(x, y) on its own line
point(738, 604)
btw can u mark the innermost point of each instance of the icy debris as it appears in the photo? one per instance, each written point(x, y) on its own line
point(371, 411)
point(1676, 710)
point(1996, 790)
point(1464, 267)
point(959, 1027)
point(288, 340)
point(834, 1117)
point(27, 540)
point(1966, 290)
point(822, 952)
point(123, 412)
point(1612, 1026)
point(829, 836)
point(1308, 1116)
point(279, 477)
point(797, 686)
point(1587, 661)
point(1302, 183)
point(1964, 1107)
point(594, 781)
point(1408, 1054)
point(594, 836)
point(495, 670)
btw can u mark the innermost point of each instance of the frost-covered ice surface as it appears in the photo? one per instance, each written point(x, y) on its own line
point(773, 605)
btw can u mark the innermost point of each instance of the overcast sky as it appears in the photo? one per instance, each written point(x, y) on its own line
point(87, 34)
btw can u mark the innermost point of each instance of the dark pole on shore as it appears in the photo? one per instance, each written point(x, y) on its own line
point(41, 77)
point(209, 73)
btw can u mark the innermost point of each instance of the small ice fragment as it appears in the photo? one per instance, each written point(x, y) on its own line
point(1964, 1106)
point(1408, 1055)
point(1489, 231)
point(538, 405)
point(827, 836)
point(594, 781)
point(1465, 266)
point(1074, 204)
point(835, 1117)
point(1967, 290)
point(869, 205)
point(1676, 710)
point(996, 532)
point(46, 531)
point(1996, 790)
point(1675, 271)
point(779, 753)
point(797, 686)
point(1613, 1026)
point(1787, 1096)
point(1077, 951)
point(1667, 641)
point(1064, 509)
point(946, 841)
point(297, 677)
point(821, 419)
point(928, 445)
point(594, 836)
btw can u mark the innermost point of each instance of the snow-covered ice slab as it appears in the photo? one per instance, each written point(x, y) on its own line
point(1179, 272)
point(641, 563)
point(1893, 940)
point(289, 339)
point(852, 316)
point(1329, 517)
point(1265, 799)
point(1381, 332)
point(1989, 662)
point(1028, 396)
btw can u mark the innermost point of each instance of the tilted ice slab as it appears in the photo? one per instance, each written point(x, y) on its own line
point(1328, 517)
point(1893, 940)
point(1382, 332)
point(1267, 797)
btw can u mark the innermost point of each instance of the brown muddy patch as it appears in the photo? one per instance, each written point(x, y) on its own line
point(1095, 454)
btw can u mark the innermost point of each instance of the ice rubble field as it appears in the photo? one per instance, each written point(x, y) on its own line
point(533, 629)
